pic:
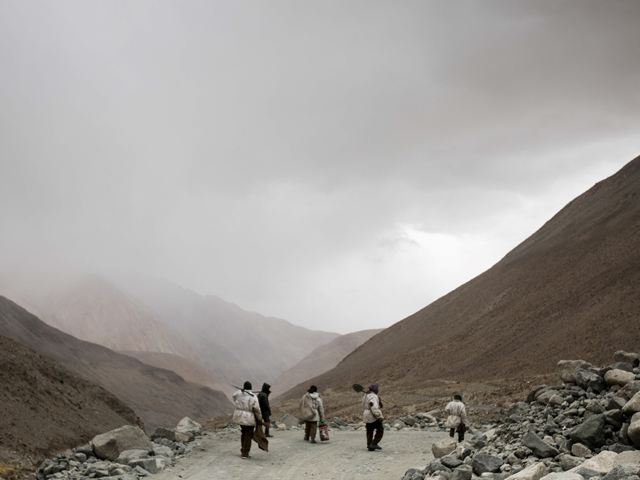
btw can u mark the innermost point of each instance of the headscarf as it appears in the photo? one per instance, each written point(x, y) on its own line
point(373, 388)
point(313, 389)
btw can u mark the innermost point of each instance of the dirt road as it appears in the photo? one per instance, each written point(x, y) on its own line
point(291, 458)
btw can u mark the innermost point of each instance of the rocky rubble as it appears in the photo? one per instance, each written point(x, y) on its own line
point(123, 454)
point(587, 428)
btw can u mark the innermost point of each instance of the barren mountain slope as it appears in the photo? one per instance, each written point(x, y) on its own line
point(230, 343)
point(186, 369)
point(572, 290)
point(321, 360)
point(47, 408)
point(158, 396)
point(94, 310)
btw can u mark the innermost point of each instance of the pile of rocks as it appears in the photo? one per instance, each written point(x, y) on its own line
point(587, 427)
point(123, 454)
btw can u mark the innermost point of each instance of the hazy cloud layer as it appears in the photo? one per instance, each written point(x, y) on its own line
point(338, 164)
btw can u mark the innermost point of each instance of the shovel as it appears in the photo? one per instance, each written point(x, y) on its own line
point(248, 391)
point(359, 388)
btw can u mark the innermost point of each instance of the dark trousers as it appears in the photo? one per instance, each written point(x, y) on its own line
point(461, 429)
point(379, 429)
point(310, 429)
point(267, 424)
point(245, 440)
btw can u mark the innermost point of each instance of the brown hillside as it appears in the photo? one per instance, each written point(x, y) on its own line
point(46, 408)
point(321, 360)
point(572, 290)
point(158, 396)
point(183, 367)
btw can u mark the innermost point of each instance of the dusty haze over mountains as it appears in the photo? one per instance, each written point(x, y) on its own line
point(336, 164)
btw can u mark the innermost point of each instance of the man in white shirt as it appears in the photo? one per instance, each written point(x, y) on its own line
point(247, 415)
point(457, 417)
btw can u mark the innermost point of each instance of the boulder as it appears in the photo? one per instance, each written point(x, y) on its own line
point(338, 422)
point(161, 432)
point(518, 408)
point(590, 432)
point(626, 357)
point(615, 403)
point(413, 474)
point(546, 396)
point(464, 472)
point(163, 451)
point(586, 379)
point(483, 462)
point(125, 457)
point(567, 462)
point(579, 450)
point(540, 448)
point(620, 472)
point(451, 461)
point(443, 447)
point(619, 377)
point(409, 420)
point(633, 405)
point(586, 473)
point(634, 433)
point(567, 369)
point(628, 459)
point(601, 463)
point(188, 427)
point(533, 472)
point(151, 465)
point(289, 420)
point(629, 390)
point(562, 476)
point(531, 396)
point(184, 437)
point(108, 446)
point(627, 367)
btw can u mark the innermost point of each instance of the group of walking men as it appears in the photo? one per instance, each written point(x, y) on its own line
point(252, 411)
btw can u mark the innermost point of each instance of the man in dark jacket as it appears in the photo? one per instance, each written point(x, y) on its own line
point(263, 400)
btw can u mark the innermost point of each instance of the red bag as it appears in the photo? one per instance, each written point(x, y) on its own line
point(324, 432)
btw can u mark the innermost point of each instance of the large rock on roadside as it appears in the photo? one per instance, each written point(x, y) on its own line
point(151, 465)
point(618, 377)
point(620, 472)
point(586, 473)
point(586, 379)
point(483, 462)
point(601, 463)
point(125, 457)
point(538, 447)
point(567, 462)
point(590, 432)
point(289, 420)
point(562, 476)
point(463, 472)
point(534, 472)
point(443, 447)
point(161, 432)
point(633, 405)
point(567, 369)
point(629, 390)
point(108, 446)
point(634, 433)
point(622, 356)
point(628, 459)
point(188, 426)
point(580, 450)
point(518, 408)
point(451, 461)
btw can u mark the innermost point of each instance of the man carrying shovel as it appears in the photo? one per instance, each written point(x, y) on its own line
point(247, 415)
point(373, 417)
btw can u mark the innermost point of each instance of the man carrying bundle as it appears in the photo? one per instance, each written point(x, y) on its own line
point(457, 417)
point(373, 417)
point(311, 411)
point(247, 415)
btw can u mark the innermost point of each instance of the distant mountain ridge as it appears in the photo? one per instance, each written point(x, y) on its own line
point(321, 360)
point(158, 396)
point(571, 290)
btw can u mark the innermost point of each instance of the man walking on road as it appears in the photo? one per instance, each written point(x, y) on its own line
point(373, 417)
point(457, 417)
point(247, 415)
point(311, 411)
point(265, 409)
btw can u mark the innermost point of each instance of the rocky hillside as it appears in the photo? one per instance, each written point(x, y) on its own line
point(571, 290)
point(230, 343)
point(186, 369)
point(47, 408)
point(321, 360)
point(158, 396)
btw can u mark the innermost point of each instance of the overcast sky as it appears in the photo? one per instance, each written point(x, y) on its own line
point(340, 164)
